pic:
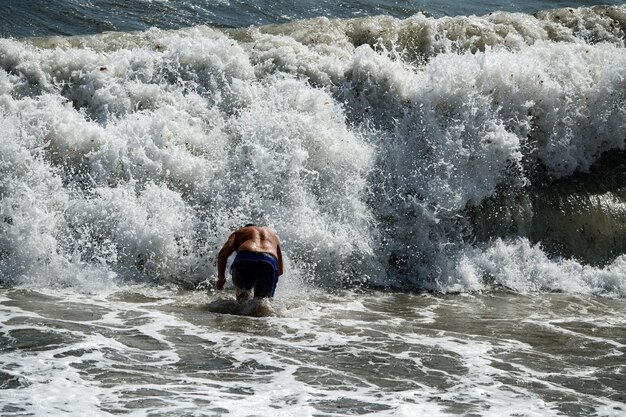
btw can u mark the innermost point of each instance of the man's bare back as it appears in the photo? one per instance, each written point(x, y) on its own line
point(252, 239)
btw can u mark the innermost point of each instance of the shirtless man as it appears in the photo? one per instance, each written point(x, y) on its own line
point(258, 264)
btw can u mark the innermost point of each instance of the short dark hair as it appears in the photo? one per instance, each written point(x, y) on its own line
point(249, 224)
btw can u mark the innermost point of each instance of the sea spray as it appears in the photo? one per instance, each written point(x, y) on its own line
point(370, 145)
point(159, 155)
point(475, 156)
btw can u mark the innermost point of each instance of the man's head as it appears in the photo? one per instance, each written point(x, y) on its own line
point(249, 224)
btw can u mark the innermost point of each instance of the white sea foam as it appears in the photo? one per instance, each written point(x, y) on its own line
point(522, 267)
point(151, 350)
point(127, 159)
point(362, 142)
point(161, 155)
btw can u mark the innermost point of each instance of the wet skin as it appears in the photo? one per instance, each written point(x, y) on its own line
point(251, 239)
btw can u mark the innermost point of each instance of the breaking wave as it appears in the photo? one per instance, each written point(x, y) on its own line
point(450, 154)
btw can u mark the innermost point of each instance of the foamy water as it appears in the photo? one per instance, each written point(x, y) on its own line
point(449, 193)
point(363, 143)
point(156, 352)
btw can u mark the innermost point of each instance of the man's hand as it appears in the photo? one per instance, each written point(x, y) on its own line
point(219, 284)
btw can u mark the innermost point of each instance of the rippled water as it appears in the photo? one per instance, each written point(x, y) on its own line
point(477, 158)
point(78, 17)
point(154, 351)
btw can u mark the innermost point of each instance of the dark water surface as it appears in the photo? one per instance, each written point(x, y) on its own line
point(76, 17)
point(164, 353)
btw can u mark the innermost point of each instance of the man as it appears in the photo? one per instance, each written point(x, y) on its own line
point(258, 264)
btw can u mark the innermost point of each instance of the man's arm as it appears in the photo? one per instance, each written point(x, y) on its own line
point(222, 257)
point(280, 260)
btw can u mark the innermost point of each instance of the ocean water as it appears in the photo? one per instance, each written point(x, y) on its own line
point(448, 182)
point(77, 17)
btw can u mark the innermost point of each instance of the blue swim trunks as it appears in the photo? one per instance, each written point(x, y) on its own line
point(256, 270)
